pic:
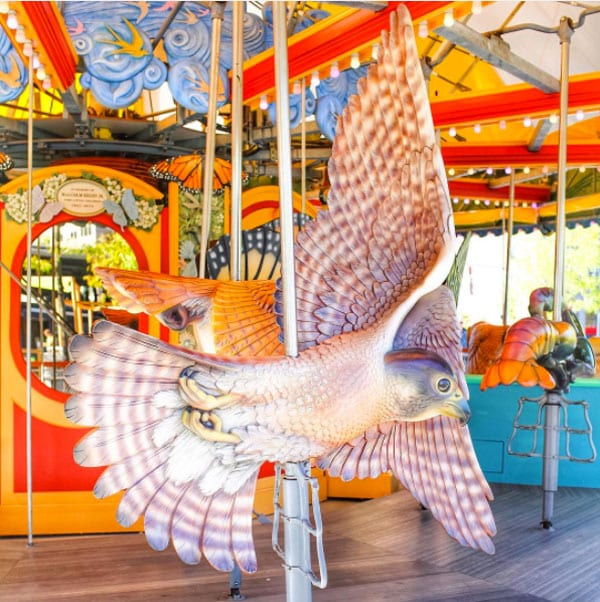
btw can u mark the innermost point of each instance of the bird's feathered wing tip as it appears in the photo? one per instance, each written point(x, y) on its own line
point(388, 236)
point(190, 490)
point(435, 461)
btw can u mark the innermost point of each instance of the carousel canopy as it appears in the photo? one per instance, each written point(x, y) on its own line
point(130, 81)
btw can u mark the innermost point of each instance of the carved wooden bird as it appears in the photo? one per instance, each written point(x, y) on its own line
point(378, 384)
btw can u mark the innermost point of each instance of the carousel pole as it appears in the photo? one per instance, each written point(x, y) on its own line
point(295, 491)
point(552, 416)
point(237, 108)
point(217, 10)
point(509, 232)
point(28, 430)
point(237, 131)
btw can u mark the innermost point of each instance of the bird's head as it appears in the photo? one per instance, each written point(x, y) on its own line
point(421, 385)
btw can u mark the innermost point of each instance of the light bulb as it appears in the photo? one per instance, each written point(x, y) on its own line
point(477, 128)
point(4, 8)
point(335, 70)
point(545, 170)
point(489, 171)
point(27, 48)
point(526, 170)
point(507, 170)
point(296, 88)
point(423, 29)
point(579, 115)
point(455, 200)
point(20, 36)
point(47, 83)
point(466, 201)
point(553, 119)
point(314, 80)
point(40, 72)
point(264, 103)
point(582, 169)
point(452, 131)
point(502, 124)
point(375, 52)
point(11, 20)
point(470, 171)
point(355, 61)
point(527, 121)
point(448, 18)
point(451, 171)
point(476, 8)
point(35, 60)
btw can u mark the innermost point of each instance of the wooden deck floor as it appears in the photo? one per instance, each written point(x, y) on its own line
point(383, 549)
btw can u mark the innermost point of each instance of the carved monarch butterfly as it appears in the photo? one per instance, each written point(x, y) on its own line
point(188, 172)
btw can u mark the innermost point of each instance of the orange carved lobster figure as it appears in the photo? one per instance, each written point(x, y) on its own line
point(539, 352)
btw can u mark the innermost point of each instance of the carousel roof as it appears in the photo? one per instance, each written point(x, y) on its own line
point(128, 82)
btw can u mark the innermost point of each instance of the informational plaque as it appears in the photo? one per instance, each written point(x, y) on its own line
point(82, 197)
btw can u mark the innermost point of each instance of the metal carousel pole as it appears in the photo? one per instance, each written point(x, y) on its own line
point(237, 108)
point(217, 10)
point(295, 491)
point(509, 232)
point(237, 132)
point(552, 416)
point(28, 328)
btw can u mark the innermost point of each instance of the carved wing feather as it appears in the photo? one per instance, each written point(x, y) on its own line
point(434, 460)
point(388, 235)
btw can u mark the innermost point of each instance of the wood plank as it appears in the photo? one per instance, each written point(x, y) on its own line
point(381, 549)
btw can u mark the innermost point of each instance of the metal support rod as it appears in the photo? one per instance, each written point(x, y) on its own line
point(28, 329)
point(509, 232)
point(550, 458)
point(565, 32)
point(303, 144)
point(166, 24)
point(217, 8)
point(237, 131)
point(297, 542)
point(552, 418)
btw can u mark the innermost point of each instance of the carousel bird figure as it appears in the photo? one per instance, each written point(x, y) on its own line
point(378, 383)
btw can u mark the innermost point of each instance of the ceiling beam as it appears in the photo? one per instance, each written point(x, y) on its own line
point(473, 189)
point(330, 39)
point(535, 173)
point(514, 102)
point(542, 129)
point(495, 51)
point(517, 155)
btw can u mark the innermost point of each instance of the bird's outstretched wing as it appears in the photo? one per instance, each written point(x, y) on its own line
point(228, 317)
point(435, 461)
point(389, 247)
point(388, 236)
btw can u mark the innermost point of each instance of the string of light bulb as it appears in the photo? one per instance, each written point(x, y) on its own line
point(26, 45)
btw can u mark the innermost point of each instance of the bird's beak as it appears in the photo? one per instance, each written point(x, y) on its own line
point(457, 408)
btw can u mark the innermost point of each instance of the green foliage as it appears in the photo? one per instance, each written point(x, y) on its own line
point(190, 220)
point(111, 250)
point(533, 267)
point(39, 266)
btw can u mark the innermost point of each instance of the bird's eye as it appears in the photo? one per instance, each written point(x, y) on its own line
point(443, 385)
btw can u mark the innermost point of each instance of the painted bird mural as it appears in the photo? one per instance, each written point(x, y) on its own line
point(378, 383)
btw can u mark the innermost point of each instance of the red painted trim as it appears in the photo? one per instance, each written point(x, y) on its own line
point(340, 38)
point(51, 35)
point(478, 190)
point(513, 103)
point(502, 155)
